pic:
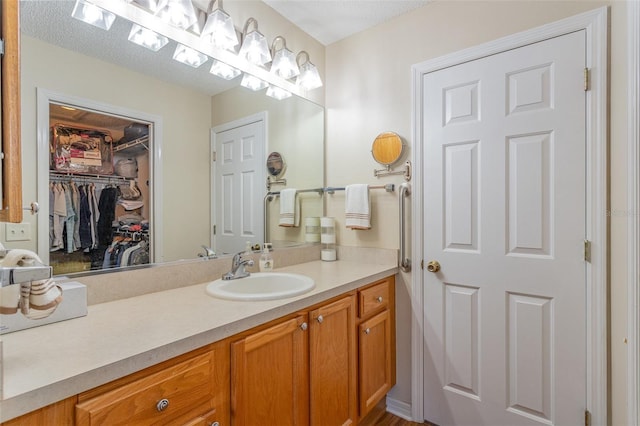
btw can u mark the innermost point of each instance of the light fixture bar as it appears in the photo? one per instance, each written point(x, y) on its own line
point(139, 16)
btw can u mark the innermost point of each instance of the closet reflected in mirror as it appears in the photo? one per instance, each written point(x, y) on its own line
point(99, 195)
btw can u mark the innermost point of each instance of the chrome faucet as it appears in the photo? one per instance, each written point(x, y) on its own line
point(238, 267)
point(208, 253)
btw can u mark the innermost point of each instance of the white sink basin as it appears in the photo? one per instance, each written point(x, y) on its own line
point(261, 286)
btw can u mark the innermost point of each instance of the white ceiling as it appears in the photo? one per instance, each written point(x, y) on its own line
point(329, 21)
point(325, 20)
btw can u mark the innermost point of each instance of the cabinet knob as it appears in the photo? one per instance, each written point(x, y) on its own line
point(162, 404)
point(320, 319)
point(379, 299)
point(367, 331)
point(214, 424)
point(303, 326)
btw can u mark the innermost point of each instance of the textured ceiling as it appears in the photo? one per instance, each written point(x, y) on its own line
point(329, 21)
point(325, 20)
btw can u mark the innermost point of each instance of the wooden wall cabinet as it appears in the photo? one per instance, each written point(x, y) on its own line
point(11, 183)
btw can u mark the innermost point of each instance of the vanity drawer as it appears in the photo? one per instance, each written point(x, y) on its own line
point(374, 298)
point(177, 394)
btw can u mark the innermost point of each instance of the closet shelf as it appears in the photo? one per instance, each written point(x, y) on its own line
point(133, 147)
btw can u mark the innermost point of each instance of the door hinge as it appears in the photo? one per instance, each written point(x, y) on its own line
point(587, 79)
point(587, 418)
point(587, 251)
point(214, 230)
point(1, 46)
point(214, 157)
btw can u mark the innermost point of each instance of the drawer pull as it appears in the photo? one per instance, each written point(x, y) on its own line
point(320, 319)
point(379, 299)
point(162, 404)
point(367, 331)
point(214, 424)
point(303, 326)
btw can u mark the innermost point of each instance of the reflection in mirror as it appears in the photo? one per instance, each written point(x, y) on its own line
point(65, 56)
point(275, 165)
point(99, 174)
point(387, 149)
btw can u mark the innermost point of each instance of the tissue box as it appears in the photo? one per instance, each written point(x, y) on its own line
point(73, 305)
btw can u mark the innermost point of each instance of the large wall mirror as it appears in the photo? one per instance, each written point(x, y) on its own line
point(71, 60)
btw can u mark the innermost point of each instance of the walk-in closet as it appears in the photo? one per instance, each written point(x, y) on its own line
point(99, 197)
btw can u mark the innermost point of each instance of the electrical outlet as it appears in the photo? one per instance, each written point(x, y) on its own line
point(18, 231)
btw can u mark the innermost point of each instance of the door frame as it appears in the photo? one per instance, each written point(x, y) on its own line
point(43, 98)
point(633, 185)
point(259, 117)
point(595, 24)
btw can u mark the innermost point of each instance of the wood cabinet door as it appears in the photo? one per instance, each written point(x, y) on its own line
point(270, 376)
point(375, 360)
point(332, 356)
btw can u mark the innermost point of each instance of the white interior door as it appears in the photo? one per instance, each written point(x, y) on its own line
point(504, 205)
point(239, 186)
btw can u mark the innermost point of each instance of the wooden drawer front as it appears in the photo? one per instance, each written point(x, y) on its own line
point(373, 299)
point(186, 386)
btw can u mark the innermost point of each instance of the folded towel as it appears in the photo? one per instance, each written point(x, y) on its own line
point(357, 209)
point(36, 299)
point(289, 208)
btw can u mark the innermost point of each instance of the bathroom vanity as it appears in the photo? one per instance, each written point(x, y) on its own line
point(183, 357)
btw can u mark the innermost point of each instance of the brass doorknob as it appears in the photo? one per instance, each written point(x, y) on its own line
point(433, 266)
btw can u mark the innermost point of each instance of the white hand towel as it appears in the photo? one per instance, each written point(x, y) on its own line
point(289, 208)
point(36, 299)
point(357, 208)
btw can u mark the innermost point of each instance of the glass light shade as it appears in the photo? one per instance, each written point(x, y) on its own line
point(179, 13)
point(309, 77)
point(149, 5)
point(223, 70)
point(147, 38)
point(277, 92)
point(219, 30)
point(284, 64)
point(255, 48)
point(189, 56)
point(92, 14)
point(253, 83)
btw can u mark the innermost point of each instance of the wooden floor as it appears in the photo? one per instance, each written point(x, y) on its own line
point(380, 417)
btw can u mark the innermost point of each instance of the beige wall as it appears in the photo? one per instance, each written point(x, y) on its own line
point(369, 91)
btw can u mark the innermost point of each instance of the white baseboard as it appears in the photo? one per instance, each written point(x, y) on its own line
point(399, 408)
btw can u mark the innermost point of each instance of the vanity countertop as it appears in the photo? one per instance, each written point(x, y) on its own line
point(46, 364)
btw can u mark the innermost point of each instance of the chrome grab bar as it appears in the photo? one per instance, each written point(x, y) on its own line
point(405, 262)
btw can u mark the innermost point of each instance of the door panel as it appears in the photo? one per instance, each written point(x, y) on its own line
point(238, 189)
point(504, 209)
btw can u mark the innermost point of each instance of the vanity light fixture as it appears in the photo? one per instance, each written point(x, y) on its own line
point(309, 77)
point(148, 5)
point(179, 13)
point(284, 62)
point(189, 56)
point(219, 29)
point(223, 70)
point(92, 14)
point(277, 92)
point(252, 82)
point(254, 45)
point(147, 38)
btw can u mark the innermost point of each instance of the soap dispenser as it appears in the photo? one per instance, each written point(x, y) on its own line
point(266, 261)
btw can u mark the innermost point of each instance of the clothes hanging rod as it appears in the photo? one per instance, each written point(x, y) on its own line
point(60, 177)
